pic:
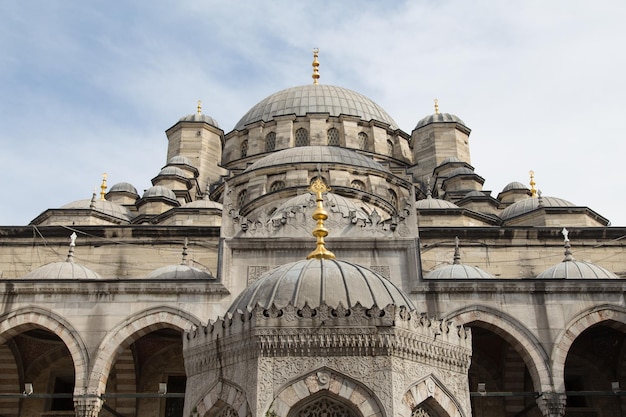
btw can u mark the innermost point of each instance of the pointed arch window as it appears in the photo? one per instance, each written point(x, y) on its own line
point(270, 142)
point(333, 137)
point(244, 148)
point(323, 407)
point(302, 137)
point(241, 198)
point(393, 198)
point(363, 141)
point(277, 185)
point(389, 147)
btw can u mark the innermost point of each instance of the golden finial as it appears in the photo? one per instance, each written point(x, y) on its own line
point(199, 107)
point(318, 187)
point(533, 190)
point(103, 186)
point(436, 106)
point(316, 64)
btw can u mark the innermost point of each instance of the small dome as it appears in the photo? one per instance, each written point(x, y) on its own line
point(202, 118)
point(458, 271)
point(179, 160)
point(434, 203)
point(203, 204)
point(475, 193)
point(515, 185)
point(103, 206)
point(172, 171)
point(317, 154)
point(449, 160)
point(529, 204)
point(159, 191)
point(576, 270)
point(439, 118)
point(180, 271)
point(62, 270)
point(123, 187)
point(461, 171)
point(316, 98)
point(315, 282)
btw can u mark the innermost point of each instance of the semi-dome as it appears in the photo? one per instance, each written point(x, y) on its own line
point(103, 206)
point(123, 187)
point(333, 203)
point(316, 98)
point(439, 118)
point(315, 282)
point(529, 204)
point(317, 154)
point(202, 118)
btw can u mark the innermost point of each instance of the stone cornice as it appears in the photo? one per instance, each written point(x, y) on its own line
point(517, 285)
point(172, 287)
point(325, 331)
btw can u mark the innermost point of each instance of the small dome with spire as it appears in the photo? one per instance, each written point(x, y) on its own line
point(529, 204)
point(457, 269)
point(182, 270)
point(198, 117)
point(64, 270)
point(573, 269)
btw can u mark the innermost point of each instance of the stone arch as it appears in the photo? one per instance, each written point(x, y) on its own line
point(223, 393)
point(32, 317)
point(516, 334)
point(335, 384)
point(130, 330)
point(613, 316)
point(432, 392)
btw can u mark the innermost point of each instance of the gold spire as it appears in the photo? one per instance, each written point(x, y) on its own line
point(316, 64)
point(436, 106)
point(318, 187)
point(103, 186)
point(199, 107)
point(533, 190)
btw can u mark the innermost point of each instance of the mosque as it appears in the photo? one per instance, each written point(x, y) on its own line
point(314, 261)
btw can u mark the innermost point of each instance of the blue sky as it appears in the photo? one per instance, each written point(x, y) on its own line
point(90, 87)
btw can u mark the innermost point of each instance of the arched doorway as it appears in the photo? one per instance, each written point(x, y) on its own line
point(323, 405)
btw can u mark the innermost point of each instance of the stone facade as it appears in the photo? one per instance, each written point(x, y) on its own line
point(236, 206)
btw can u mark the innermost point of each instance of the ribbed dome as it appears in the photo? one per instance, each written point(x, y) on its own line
point(576, 270)
point(529, 204)
point(458, 271)
point(317, 154)
point(62, 270)
point(439, 118)
point(312, 98)
point(103, 206)
point(123, 187)
point(180, 271)
point(434, 203)
point(202, 118)
point(320, 281)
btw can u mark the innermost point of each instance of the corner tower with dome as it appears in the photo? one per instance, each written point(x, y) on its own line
point(443, 299)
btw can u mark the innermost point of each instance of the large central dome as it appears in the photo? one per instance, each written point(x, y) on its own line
point(316, 98)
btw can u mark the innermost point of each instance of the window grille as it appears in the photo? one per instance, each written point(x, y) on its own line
point(244, 148)
point(333, 137)
point(277, 185)
point(270, 142)
point(363, 141)
point(302, 137)
point(359, 185)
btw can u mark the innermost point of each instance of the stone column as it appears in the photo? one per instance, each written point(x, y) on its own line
point(552, 404)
